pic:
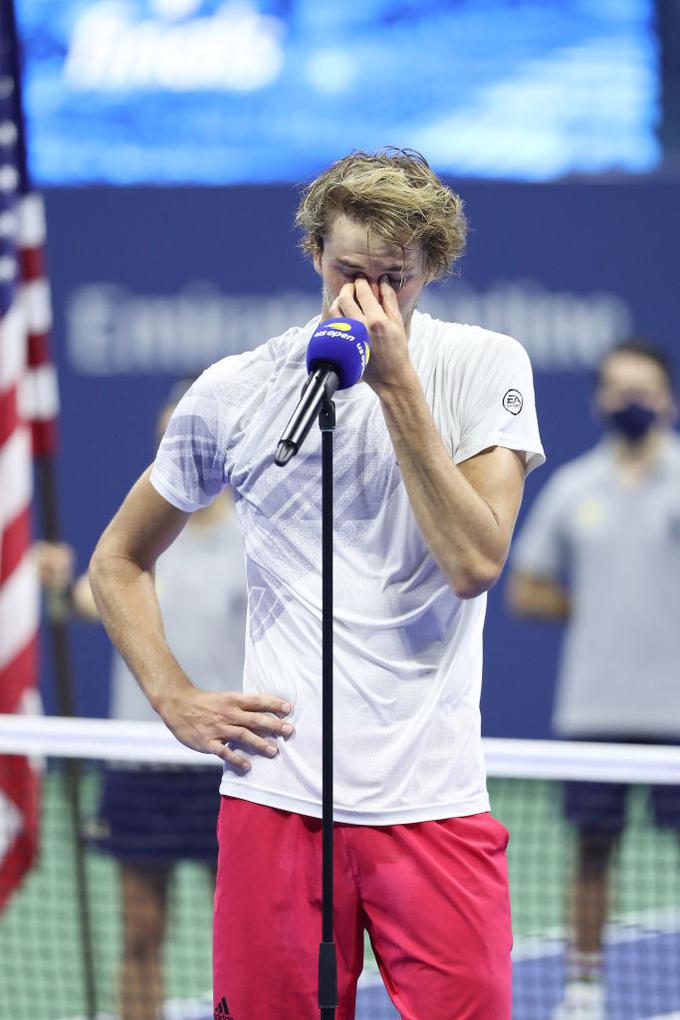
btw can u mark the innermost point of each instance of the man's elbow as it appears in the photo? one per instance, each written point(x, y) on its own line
point(470, 582)
point(97, 569)
point(102, 566)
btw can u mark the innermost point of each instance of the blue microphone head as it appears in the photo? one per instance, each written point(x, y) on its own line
point(342, 343)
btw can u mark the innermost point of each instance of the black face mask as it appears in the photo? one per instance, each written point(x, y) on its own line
point(632, 421)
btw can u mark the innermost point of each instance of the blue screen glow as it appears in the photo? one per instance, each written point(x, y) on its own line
point(226, 91)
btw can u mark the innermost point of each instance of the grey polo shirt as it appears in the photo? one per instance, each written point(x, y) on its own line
point(201, 588)
point(617, 550)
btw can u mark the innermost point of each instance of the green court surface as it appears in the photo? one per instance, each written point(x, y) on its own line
point(40, 959)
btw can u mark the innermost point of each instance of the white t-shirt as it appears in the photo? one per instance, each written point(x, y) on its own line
point(407, 651)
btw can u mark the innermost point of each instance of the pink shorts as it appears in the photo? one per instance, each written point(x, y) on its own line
point(433, 897)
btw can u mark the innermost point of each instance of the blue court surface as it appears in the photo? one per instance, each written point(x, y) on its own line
point(635, 962)
point(634, 988)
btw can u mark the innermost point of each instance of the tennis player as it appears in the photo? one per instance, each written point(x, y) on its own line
point(431, 453)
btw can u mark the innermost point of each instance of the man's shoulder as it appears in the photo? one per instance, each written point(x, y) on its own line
point(257, 364)
point(470, 342)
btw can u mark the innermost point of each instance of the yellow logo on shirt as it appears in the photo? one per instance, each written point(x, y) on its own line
point(590, 513)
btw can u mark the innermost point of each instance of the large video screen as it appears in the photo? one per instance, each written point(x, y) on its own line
point(230, 91)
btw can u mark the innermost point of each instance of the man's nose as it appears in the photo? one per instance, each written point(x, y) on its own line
point(374, 285)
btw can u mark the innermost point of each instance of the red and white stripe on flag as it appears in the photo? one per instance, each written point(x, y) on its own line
point(39, 395)
point(19, 597)
point(28, 406)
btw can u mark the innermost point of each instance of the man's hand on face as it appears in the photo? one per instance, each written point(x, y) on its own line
point(206, 721)
point(389, 344)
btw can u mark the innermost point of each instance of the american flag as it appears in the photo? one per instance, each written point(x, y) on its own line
point(28, 407)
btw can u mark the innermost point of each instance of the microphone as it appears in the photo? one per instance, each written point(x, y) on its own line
point(337, 356)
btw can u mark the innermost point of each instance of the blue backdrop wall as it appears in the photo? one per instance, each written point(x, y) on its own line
point(150, 284)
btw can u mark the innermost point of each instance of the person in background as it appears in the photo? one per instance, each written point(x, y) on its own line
point(55, 563)
point(152, 817)
point(600, 552)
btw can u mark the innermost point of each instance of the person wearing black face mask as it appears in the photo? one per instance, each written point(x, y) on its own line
point(632, 421)
point(606, 523)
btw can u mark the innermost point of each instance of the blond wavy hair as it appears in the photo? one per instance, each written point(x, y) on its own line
point(396, 194)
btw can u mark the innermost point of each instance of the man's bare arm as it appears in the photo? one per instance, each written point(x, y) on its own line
point(539, 597)
point(466, 512)
point(121, 577)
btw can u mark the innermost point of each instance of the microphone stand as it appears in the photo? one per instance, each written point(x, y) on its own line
point(328, 967)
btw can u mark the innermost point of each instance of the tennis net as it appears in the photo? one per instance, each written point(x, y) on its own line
point(63, 942)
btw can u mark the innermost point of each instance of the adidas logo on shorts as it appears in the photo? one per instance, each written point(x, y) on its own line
point(221, 1011)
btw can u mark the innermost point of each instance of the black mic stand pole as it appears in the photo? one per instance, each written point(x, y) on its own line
point(328, 967)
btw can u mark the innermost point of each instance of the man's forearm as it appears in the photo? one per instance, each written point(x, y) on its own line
point(459, 527)
point(128, 606)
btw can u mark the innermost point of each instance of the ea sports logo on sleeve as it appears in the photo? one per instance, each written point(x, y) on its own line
point(513, 401)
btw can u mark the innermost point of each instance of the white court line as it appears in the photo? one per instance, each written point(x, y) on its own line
point(637, 926)
point(174, 1009)
point(370, 978)
point(628, 928)
point(192, 1009)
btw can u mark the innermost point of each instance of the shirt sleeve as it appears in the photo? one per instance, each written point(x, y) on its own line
point(189, 467)
point(196, 455)
point(497, 405)
point(541, 546)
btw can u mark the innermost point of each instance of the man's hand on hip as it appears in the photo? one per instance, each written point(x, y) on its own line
point(206, 721)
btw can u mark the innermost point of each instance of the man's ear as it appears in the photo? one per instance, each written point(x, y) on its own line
point(317, 261)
